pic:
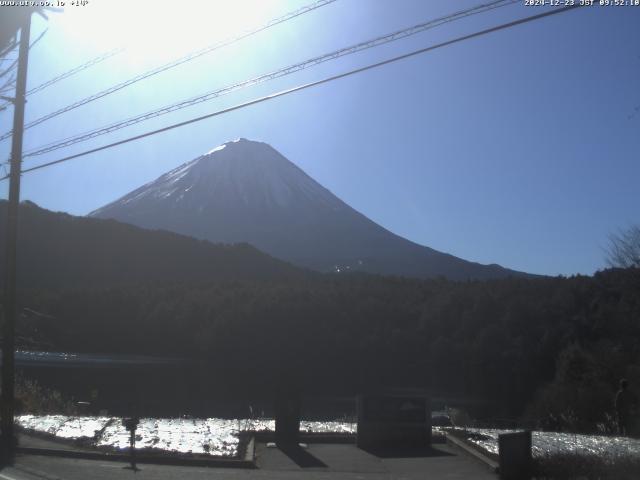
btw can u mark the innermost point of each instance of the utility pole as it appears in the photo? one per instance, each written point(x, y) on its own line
point(10, 310)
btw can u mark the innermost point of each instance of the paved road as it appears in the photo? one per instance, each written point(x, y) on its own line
point(321, 461)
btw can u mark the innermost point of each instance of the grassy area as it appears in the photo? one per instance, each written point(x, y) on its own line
point(35, 399)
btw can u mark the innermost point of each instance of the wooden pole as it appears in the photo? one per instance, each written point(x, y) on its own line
point(10, 308)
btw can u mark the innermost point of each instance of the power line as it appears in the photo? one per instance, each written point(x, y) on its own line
point(78, 69)
point(175, 63)
point(268, 76)
point(305, 86)
point(62, 76)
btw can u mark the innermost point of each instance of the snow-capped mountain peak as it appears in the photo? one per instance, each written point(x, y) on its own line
point(246, 191)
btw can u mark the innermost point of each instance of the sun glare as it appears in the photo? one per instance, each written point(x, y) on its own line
point(157, 30)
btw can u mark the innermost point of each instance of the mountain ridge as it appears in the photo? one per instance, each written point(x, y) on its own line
point(61, 250)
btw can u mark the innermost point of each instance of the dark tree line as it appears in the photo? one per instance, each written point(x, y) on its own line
point(518, 346)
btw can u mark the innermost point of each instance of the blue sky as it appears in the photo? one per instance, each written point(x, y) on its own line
point(518, 148)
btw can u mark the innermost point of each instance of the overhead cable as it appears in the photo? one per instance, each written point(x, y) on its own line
point(173, 64)
point(266, 77)
point(78, 69)
point(306, 86)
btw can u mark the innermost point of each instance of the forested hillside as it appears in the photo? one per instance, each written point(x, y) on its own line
point(517, 346)
point(57, 250)
point(546, 348)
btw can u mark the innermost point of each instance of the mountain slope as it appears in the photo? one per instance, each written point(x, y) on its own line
point(245, 191)
point(60, 250)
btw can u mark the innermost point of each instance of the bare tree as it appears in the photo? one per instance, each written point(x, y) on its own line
point(624, 248)
point(10, 22)
point(8, 42)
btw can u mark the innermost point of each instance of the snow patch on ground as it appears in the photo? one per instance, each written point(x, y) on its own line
point(545, 443)
point(212, 436)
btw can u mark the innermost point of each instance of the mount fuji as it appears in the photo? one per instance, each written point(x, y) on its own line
point(245, 191)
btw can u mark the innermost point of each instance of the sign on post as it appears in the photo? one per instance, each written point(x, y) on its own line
point(131, 424)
